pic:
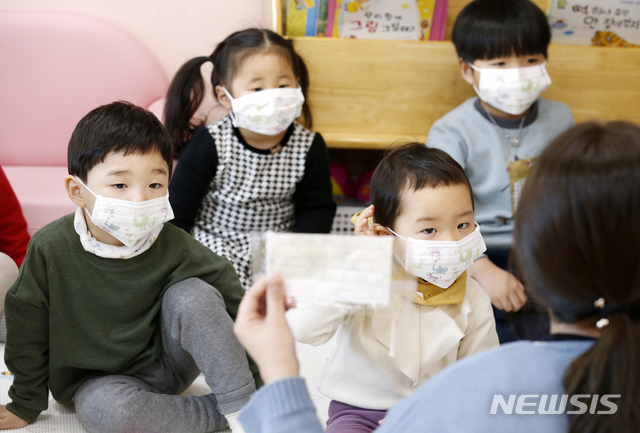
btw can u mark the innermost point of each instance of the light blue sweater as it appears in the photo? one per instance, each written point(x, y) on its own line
point(481, 148)
point(459, 399)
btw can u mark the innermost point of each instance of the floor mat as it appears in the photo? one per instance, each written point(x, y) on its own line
point(63, 419)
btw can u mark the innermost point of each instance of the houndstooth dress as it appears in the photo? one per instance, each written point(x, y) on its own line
point(251, 191)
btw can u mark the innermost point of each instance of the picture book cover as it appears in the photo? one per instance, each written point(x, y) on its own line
point(439, 21)
point(595, 22)
point(323, 15)
point(302, 18)
point(332, 18)
point(385, 19)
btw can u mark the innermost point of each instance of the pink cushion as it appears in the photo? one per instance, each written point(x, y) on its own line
point(56, 68)
point(157, 108)
point(41, 193)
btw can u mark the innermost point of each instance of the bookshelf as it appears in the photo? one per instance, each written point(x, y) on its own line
point(365, 94)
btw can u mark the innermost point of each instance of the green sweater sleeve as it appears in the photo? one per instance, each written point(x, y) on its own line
point(27, 348)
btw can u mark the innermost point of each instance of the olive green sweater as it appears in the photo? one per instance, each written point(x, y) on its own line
point(72, 315)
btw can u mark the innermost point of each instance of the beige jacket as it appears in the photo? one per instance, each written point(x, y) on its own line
point(383, 354)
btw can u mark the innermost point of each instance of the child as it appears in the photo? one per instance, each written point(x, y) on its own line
point(502, 50)
point(578, 247)
point(383, 354)
point(117, 311)
point(14, 239)
point(256, 169)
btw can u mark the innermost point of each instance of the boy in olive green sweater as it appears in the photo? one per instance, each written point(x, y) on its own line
point(118, 311)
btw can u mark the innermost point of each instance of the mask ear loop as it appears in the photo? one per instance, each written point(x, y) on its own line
point(406, 258)
point(233, 117)
point(92, 193)
point(395, 233)
point(88, 189)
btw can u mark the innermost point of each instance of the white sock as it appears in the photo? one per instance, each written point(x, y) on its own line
point(234, 423)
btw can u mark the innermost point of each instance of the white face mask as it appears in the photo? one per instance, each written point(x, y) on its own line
point(267, 112)
point(129, 221)
point(512, 90)
point(442, 262)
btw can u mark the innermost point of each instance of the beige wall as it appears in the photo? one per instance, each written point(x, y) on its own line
point(174, 30)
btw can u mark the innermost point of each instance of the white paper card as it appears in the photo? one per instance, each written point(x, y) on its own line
point(332, 269)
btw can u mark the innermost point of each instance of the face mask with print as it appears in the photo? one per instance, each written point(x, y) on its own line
point(442, 262)
point(267, 112)
point(129, 221)
point(512, 90)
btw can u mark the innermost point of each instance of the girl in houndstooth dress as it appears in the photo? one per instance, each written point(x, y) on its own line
point(256, 169)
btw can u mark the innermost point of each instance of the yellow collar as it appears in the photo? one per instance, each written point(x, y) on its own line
point(434, 295)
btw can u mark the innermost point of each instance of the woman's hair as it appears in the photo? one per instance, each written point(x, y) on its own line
point(488, 29)
point(187, 88)
point(411, 165)
point(577, 239)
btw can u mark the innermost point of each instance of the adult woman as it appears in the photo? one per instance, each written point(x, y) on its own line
point(577, 240)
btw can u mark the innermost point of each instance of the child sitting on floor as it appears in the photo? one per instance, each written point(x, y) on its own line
point(423, 196)
point(117, 310)
point(256, 169)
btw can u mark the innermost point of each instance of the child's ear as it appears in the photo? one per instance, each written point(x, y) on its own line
point(222, 97)
point(73, 190)
point(466, 71)
point(381, 230)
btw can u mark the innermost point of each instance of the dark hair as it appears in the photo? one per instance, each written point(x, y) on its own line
point(186, 91)
point(577, 239)
point(411, 165)
point(488, 29)
point(116, 127)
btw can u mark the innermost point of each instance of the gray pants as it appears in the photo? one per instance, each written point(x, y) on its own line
point(197, 336)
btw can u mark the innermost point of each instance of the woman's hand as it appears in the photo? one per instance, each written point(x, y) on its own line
point(262, 329)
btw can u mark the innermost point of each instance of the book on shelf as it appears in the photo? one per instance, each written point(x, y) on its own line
point(323, 15)
point(368, 19)
point(595, 22)
point(302, 18)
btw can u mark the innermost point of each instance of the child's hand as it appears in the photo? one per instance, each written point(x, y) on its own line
point(507, 293)
point(362, 223)
point(9, 420)
point(262, 329)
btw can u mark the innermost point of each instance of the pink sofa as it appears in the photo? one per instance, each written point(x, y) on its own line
point(56, 67)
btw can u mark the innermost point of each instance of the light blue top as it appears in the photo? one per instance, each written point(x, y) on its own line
point(459, 399)
point(481, 148)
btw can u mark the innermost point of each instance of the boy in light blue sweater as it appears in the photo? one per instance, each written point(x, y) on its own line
point(496, 137)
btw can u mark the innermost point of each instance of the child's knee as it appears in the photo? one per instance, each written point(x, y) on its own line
point(190, 294)
point(8, 275)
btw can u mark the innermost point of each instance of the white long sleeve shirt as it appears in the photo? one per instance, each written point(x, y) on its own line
point(383, 355)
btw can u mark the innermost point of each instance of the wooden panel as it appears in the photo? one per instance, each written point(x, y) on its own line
point(367, 94)
point(455, 6)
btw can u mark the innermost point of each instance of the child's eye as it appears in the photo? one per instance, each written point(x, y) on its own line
point(257, 89)
point(429, 231)
point(498, 64)
point(282, 86)
point(155, 185)
point(533, 61)
point(119, 186)
point(463, 226)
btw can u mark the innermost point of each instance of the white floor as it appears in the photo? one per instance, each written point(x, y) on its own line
point(63, 419)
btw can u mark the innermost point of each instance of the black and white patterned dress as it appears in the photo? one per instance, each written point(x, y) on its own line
point(224, 189)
